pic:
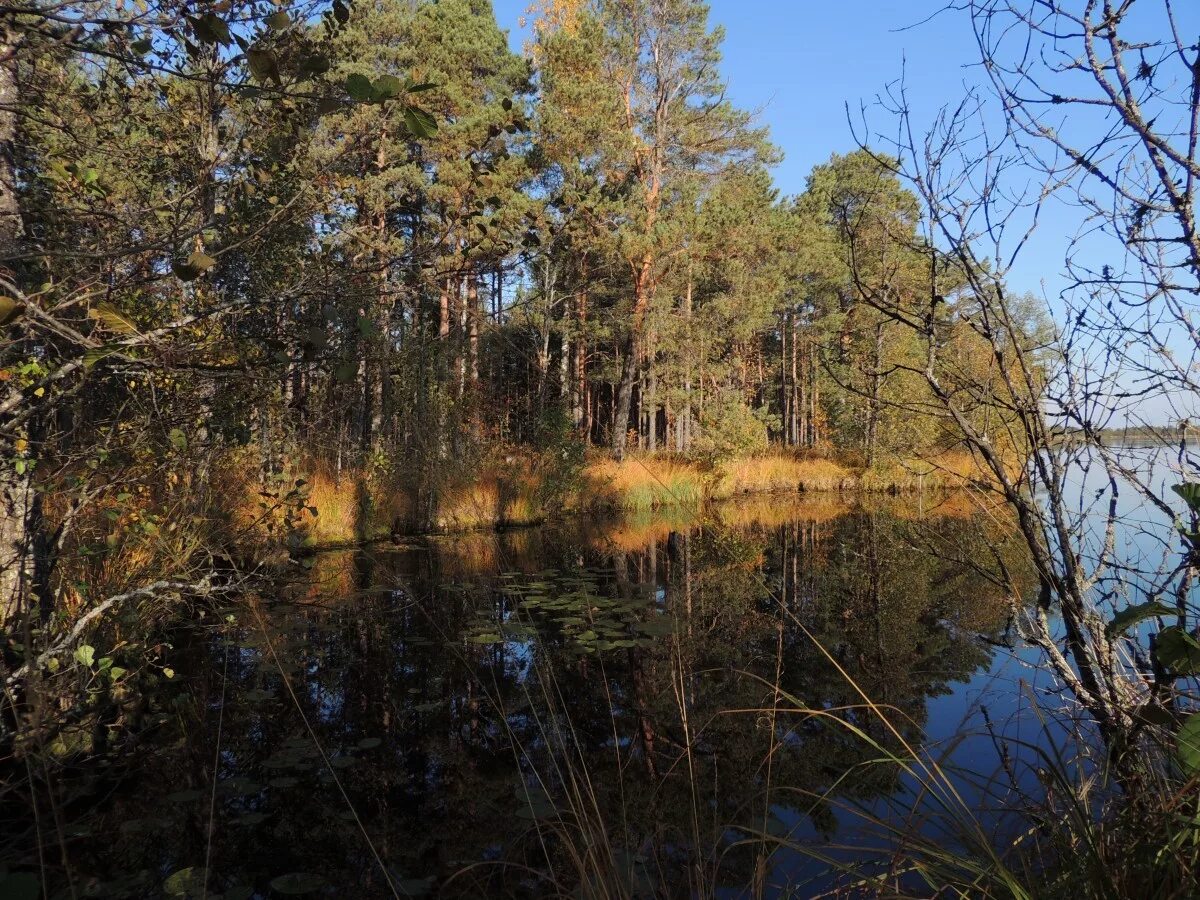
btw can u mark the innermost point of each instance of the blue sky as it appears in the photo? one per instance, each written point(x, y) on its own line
point(799, 62)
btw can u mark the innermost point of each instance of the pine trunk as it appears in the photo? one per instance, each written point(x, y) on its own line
point(15, 489)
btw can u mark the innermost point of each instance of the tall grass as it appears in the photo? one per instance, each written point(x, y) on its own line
point(1048, 822)
point(644, 482)
point(515, 490)
point(488, 501)
point(1047, 817)
point(780, 472)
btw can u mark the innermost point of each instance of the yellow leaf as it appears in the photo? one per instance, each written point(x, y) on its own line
point(112, 318)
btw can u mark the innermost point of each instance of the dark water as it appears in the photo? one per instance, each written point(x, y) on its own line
point(491, 715)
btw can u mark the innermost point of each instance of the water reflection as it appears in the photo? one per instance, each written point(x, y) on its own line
point(492, 715)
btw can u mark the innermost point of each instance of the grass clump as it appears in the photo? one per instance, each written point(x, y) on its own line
point(779, 472)
point(644, 482)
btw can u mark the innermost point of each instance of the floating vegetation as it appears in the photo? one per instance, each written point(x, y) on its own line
point(572, 609)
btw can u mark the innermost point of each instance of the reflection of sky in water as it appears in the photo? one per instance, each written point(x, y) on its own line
point(994, 707)
point(450, 722)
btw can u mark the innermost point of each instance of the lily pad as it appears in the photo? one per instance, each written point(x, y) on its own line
point(185, 883)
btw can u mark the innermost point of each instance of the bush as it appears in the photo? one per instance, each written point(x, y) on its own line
point(729, 427)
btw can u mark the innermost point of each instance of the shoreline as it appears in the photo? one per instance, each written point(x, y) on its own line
point(525, 493)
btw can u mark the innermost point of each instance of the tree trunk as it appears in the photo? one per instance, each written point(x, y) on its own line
point(564, 358)
point(876, 389)
point(785, 385)
point(651, 403)
point(581, 408)
point(472, 313)
point(633, 342)
point(444, 310)
point(624, 401)
point(15, 489)
point(683, 428)
point(797, 397)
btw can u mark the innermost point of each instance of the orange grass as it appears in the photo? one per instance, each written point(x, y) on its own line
point(764, 511)
point(504, 492)
point(643, 482)
point(488, 502)
point(780, 472)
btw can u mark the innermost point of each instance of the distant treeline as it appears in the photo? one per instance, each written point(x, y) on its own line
point(1142, 435)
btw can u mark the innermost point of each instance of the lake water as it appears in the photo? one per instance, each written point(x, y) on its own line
point(493, 714)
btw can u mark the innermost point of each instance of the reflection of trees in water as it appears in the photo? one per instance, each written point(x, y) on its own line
point(426, 732)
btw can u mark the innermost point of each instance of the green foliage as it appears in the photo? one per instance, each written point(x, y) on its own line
point(1134, 615)
point(1177, 651)
point(729, 427)
point(1187, 741)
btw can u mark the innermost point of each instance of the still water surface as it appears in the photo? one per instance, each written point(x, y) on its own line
point(489, 714)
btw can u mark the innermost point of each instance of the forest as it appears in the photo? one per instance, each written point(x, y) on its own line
point(283, 278)
point(384, 247)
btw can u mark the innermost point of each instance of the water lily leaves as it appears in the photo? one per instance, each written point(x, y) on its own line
point(414, 887)
point(1187, 744)
point(257, 695)
point(369, 743)
point(187, 882)
point(656, 627)
point(486, 638)
point(288, 759)
point(535, 803)
point(297, 883)
point(517, 631)
point(239, 786)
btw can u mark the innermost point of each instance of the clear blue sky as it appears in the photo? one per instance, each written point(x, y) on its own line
point(799, 62)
